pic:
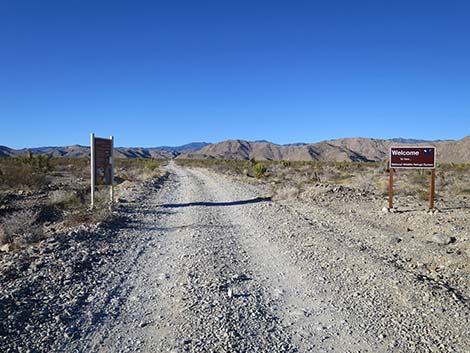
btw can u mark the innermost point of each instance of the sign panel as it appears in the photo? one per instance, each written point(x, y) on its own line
point(413, 157)
point(103, 161)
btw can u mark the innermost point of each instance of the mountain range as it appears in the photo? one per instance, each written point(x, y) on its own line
point(344, 149)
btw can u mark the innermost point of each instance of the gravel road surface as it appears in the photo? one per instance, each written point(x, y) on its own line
point(209, 264)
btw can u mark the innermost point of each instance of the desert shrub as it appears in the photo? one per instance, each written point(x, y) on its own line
point(423, 194)
point(41, 162)
point(420, 177)
point(71, 202)
point(65, 199)
point(19, 173)
point(36, 172)
point(20, 228)
point(99, 214)
point(345, 175)
point(382, 186)
point(134, 169)
point(260, 170)
point(314, 177)
point(151, 165)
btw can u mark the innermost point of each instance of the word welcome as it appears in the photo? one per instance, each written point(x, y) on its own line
point(405, 153)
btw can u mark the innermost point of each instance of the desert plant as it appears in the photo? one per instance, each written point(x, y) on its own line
point(151, 165)
point(382, 186)
point(16, 173)
point(20, 228)
point(423, 194)
point(260, 170)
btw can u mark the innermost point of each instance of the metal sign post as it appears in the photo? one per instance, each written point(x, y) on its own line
point(412, 158)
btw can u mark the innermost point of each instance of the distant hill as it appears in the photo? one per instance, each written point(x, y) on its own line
point(411, 141)
point(78, 151)
point(296, 144)
point(124, 152)
point(193, 146)
point(7, 152)
point(240, 149)
point(344, 149)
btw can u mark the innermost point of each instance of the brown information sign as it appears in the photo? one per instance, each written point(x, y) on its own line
point(103, 160)
point(413, 157)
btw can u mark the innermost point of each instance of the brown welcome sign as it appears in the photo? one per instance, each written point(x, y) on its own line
point(412, 157)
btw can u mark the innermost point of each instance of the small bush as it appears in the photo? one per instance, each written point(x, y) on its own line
point(423, 194)
point(260, 170)
point(151, 165)
point(16, 173)
point(20, 228)
point(382, 186)
point(98, 214)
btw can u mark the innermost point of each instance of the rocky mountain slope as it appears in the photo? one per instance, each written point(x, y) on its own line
point(192, 146)
point(345, 149)
point(6, 152)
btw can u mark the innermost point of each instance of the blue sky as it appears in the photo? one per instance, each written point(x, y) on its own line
point(170, 72)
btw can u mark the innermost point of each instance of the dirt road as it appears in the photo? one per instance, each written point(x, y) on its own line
point(211, 265)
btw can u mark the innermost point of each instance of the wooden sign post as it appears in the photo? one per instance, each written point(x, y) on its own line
point(412, 158)
point(111, 190)
point(390, 189)
point(92, 165)
point(102, 165)
point(433, 187)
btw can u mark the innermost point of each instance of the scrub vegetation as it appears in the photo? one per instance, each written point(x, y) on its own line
point(40, 195)
point(452, 179)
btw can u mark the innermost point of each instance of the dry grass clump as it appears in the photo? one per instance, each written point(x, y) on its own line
point(382, 186)
point(20, 228)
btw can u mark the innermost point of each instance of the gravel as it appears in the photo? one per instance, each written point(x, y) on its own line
point(203, 263)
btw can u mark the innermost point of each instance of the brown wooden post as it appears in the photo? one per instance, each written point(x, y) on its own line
point(92, 169)
point(432, 191)
point(111, 190)
point(390, 189)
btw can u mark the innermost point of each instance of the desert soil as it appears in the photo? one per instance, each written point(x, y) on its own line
point(203, 263)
